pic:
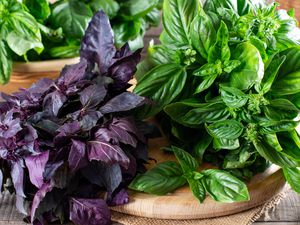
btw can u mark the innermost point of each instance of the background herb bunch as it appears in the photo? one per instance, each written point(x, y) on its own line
point(37, 30)
point(226, 78)
point(65, 142)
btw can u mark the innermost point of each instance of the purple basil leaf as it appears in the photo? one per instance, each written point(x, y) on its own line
point(122, 135)
point(5, 106)
point(36, 167)
point(101, 174)
point(21, 205)
point(17, 174)
point(97, 45)
point(69, 128)
point(121, 198)
point(123, 102)
point(92, 96)
point(108, 153)
point(123, 52)
point(28, 137)
point(130, 172)
point(73, 73)
point(9, 126)
point(90, 119)
point(106, 135)
point(51, 169)
point(38, 198)
point(77, 156)
point(1, 180)
point(123, 70)
point(41, 86)
point(53, 102)
point(89, 212)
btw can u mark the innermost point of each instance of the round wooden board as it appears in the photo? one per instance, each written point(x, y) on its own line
point(183, 205)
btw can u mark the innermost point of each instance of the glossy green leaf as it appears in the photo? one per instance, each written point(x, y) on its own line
point(223, 187)
point(272, 140)
point(206, 83)
point(251, 70)
point(227, 129)
point(138, 8)
point(281, 109)
point(177, 18)
point(220, 50)
point(229, 144)
point(6, 63)
point(40, 9)
point(268, 127)
point(233, 97)
point(110, 7)
point(162, 84)
point(198, 189)
point(201, 146)
point(187, 162)
point(161, 180)
point(292, 175)
point(203, 34)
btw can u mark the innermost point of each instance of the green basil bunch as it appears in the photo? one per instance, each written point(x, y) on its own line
point(225, 82)
point(36, 30)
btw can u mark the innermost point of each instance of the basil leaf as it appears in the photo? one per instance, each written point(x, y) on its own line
point(110, 7)
point(201, 146)
point(186, 161)
point(233, 97)
point(206, 83)
point(272, 140)
point(223, 187)
point(161, 180)
point(40, 9)
point(288, 79)
point(203, 34)
point(220, 50)
point(281, 109)
point(198, 189)
point(73, 16)
point(167, 82)
point(134, 9)
point(229, 144)
point(6, 63)
point(292, 175)
point(271, 73)
point(239, 160)
point(177, 18)
point(273, 156)
point(289, 145)
point(195, 116)
point(251, 70)
point(227, 129)
point(267, 127)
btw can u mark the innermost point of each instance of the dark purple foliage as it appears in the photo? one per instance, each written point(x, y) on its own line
point(66, 142)
point(89, 211)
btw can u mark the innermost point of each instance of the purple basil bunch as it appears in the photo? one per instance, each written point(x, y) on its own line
point(71, 146)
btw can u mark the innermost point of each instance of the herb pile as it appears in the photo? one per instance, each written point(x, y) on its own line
point(226, 86)
point(36, 30)
point(65, 143)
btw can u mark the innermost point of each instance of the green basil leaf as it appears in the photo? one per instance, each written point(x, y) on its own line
point(251, 70)
point(290, 145)
point(135, 9)
point(271, 73)
point(261, 47)
point(153, 17)
point(40, 9)
point(177, 18)
point(272, 140)
point(239, 160)
point(64, 51)
point(187, 162)
point(229, 144)
point(223, 187)
point(110, 7)
point(161, 180)
point(227, 129)
point(6, 63)
point(269, 127)
point(203, 34)
point(292, 176)
point(242, 7)
point(220, 50)
point(281, 109)
point(209, 69)
point(73, 16)
point(206, 83)
point(233, 97)
point(201, 146)
point(273, 156)
point(198, 189)
point(205, 113)
point(288, 79)
point(231, 65)
point(14, 39)
point(162, 84)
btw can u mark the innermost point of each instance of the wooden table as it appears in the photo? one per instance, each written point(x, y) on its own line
point(286, 213)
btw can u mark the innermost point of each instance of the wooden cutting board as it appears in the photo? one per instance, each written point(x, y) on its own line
point(183, 205)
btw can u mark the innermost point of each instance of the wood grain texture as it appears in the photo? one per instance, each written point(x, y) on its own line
point(183, 205)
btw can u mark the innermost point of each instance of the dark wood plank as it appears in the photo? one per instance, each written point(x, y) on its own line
point(287, 211)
